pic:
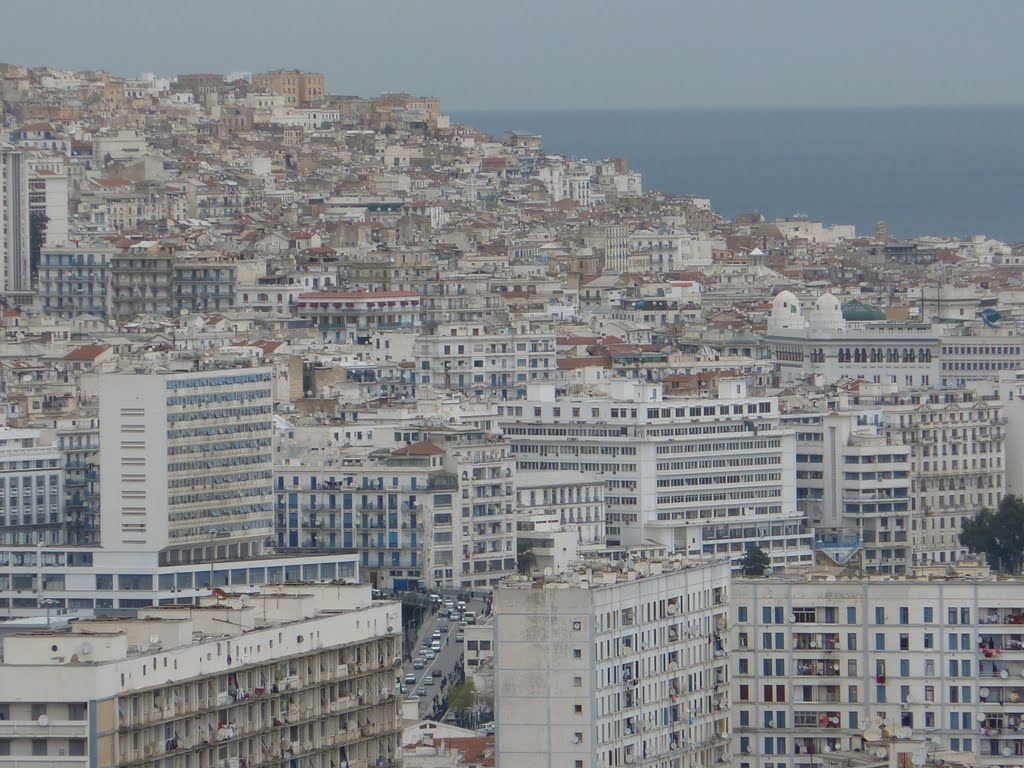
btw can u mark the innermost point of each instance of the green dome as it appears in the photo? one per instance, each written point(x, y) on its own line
point(858, 311)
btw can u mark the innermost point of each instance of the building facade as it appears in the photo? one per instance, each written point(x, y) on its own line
point(186, 463)
point(75, 280)
point(14, 221)
point(700, 476)
point(818, 659)
point(609, 667)
point(304, 673)
point(31, 490)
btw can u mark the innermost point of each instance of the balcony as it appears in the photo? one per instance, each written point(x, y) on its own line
point(442, 481)
point(34, 729)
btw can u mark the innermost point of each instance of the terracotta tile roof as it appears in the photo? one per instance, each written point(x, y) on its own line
point(86, 353)
point(422, 448)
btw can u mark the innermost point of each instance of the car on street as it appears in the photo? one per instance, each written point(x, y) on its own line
point(463, 624)
point(435, 646)
point(436, 674)
point(421, 691)
point(437, 634)
point(444, 612)
point(444, 626)
point(428, 680)
point(419, 663)
point(410, 679)
point(459, 637)
point(430, 656)
point(462, 605)
point(424, 649)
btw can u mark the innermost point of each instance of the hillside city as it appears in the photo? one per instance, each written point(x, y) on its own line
point(334, 433)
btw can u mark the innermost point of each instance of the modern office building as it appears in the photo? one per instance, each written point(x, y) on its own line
point(820, 657)
point(700, 476)
point(303, 674)
point(612, 666)
point(186, 463)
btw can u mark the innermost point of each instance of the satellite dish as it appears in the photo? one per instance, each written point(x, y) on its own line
point(792, 618)
point(876, 721)
point(220, 594)
point(154, 639)
point(872, 734)
point(887, 721)
point(830, 578)
point(43, 720)
point(826, 748)
point(85, 648)
point(1004, 674)
point(549, 571)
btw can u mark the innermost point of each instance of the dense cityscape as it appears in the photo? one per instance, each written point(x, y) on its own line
point(338, 434)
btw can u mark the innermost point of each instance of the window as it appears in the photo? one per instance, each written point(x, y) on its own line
point(577, 653)
point(851, 615)
point(904, 641)
point(904, 667)
point(929, 615)
point(744, 666)
point(929, 640)
point(904, 615)
point(577, 709)
point(879, 615)
point(741, 614)
point(880, 641)
point(744, 693)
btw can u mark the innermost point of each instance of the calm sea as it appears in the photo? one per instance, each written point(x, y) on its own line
point(935, 170)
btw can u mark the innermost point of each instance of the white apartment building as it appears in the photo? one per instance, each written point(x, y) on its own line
point(700, 476)
point(853, 479)
point(572, 501)
point(611, 666)
point(186, 462)
point(818, 658)
point(957, 461)
point(48, 195)
point(976, 354)
point(75, 279)
point(305, 674)
point(668, 250)
point(31, 489)
point(486, 361)
point(441, 509)
point(14, 220)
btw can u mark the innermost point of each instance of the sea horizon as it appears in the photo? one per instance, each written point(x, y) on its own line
point(948, 171)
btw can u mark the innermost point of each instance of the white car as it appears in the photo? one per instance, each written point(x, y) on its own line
point(435, 646)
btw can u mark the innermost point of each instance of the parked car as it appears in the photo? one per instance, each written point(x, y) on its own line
point(410, 679)
point(419, 663)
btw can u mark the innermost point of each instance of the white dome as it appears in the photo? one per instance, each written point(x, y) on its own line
point(828, 313)
point(827, 303)
point(786, 311)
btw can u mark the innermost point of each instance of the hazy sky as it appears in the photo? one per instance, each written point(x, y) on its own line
point(557, 53)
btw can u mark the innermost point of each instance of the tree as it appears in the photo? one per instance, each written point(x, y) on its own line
point(37, 221)
point(462, 698)
point(755, 562)
point(998, 535)
point(526, 561)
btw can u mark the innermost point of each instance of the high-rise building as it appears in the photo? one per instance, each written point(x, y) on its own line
point(186, 463)
point(15, 270)
point(699, 476)
point(301, 674)
point(614, 665)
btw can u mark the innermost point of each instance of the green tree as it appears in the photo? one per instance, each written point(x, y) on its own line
point(999, 535)
point(755, 562)
point(37, 221)
point(526, 561)
point(462, 698)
